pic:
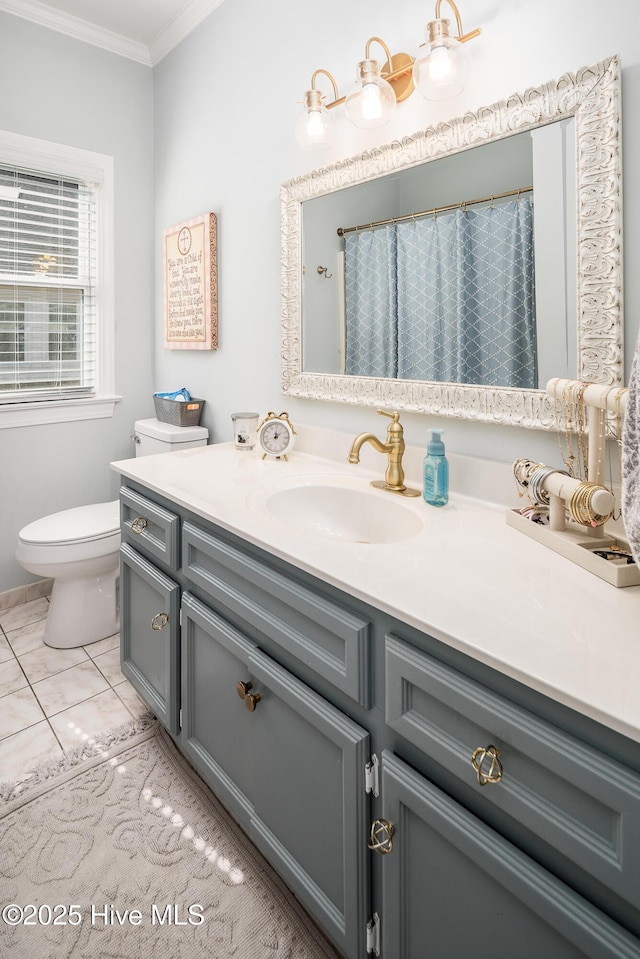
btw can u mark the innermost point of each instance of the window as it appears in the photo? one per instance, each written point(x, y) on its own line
point(56, 288)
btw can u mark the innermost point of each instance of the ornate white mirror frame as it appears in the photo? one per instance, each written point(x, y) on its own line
point(592, 97)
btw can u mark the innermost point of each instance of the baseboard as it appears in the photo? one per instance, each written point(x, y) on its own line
point(25, 594)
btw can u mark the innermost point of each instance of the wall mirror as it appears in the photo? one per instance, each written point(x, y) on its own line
point(563, 137)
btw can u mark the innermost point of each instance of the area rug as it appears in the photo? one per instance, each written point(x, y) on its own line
point(121, 852)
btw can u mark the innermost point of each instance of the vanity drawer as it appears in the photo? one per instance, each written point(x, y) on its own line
point(328, 638)
point(582, 803)
point(152, 529)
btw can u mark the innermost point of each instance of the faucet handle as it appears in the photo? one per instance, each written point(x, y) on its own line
point(395, 426)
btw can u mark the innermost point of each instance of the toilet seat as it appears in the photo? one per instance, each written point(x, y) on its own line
point(82, 524)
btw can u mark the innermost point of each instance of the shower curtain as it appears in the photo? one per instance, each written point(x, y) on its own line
point(371, 303)
point(451, 295)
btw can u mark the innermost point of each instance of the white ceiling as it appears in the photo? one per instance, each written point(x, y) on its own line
point(144, 30)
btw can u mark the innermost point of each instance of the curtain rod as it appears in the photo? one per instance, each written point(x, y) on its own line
point(438, 209)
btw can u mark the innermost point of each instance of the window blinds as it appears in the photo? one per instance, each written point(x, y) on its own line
point(48, 262)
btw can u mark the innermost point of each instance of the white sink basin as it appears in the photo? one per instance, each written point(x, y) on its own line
point(343, 514)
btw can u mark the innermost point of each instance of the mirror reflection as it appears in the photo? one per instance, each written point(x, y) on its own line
point(459, 270)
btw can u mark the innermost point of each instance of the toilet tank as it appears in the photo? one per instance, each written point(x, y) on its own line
point(152, 436)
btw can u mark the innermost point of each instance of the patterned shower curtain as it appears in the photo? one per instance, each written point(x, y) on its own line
point(464, 308)
point(370, 281)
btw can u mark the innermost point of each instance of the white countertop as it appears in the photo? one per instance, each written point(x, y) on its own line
point(467, 579)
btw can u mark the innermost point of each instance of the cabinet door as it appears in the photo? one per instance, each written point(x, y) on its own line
point(311, 809)
point(150, 635)
point(291, 769)
point(453, 887)
point(217, 729)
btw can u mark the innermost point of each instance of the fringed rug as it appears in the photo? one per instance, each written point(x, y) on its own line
point(119, 851)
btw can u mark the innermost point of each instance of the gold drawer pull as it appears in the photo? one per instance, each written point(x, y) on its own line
point(480, 757)
point(251, 700)
point(159, 621)
point(380, 839)
point(138, 525)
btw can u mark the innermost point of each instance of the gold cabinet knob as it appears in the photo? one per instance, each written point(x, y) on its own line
point(486, 762)
point(251, 700)
point(380, 839)
point(138, 525)
point(243, 688)
point(159, 621)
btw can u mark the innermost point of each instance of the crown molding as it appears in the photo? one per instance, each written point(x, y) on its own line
point(79, 29)
point(178, 29)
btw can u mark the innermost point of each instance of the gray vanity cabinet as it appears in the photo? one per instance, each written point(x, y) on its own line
point(453, 887)
point(515, 821)
point(285, 762)
point(150, 635)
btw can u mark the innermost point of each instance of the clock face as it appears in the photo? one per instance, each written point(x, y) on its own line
point(276, 437)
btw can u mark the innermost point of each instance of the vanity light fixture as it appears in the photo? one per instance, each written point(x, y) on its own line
point(313, 128)
point(442, 71)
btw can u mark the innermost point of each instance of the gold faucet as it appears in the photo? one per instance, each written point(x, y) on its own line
point(394, 448)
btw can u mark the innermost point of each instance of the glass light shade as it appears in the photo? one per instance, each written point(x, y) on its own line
point(313, 126)
point(372, 101)
point(443, 71)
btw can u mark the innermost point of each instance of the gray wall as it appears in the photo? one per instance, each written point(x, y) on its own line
point(60, 89)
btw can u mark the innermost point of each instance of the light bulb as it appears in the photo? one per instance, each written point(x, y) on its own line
point(313, 126)
point(443, 71)
point(372, 101)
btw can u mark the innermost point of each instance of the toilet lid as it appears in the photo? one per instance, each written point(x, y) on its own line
point(80, 524)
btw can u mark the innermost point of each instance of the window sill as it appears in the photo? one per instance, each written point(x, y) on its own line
point(56, 411)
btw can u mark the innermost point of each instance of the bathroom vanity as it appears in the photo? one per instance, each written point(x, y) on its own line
point(432, 736)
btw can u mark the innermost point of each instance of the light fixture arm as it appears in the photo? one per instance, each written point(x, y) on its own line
point(330, 76)
point(462, 37)
point(313, 97)
point(367, 49)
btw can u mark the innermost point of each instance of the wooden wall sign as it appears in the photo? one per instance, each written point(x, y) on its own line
point(191, 285)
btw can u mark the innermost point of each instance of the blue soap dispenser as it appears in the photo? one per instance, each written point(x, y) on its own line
point(435, 489)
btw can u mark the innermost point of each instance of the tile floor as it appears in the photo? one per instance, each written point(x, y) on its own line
point(51, 699)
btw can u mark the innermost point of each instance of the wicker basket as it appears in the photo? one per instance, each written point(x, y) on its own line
point(178, 412)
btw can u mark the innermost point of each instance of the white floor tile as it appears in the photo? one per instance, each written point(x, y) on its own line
point(22, 751)
point(17, 711)
point(24, 614)
point(46, 661)
point(11, 677)
point(86, 720)
point(6, 653)
point(109, 666)
point(26, 638)
point(102, 646)
point(69, 688)
point(130, 698)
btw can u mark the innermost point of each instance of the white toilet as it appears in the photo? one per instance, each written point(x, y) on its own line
point(79, 549)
